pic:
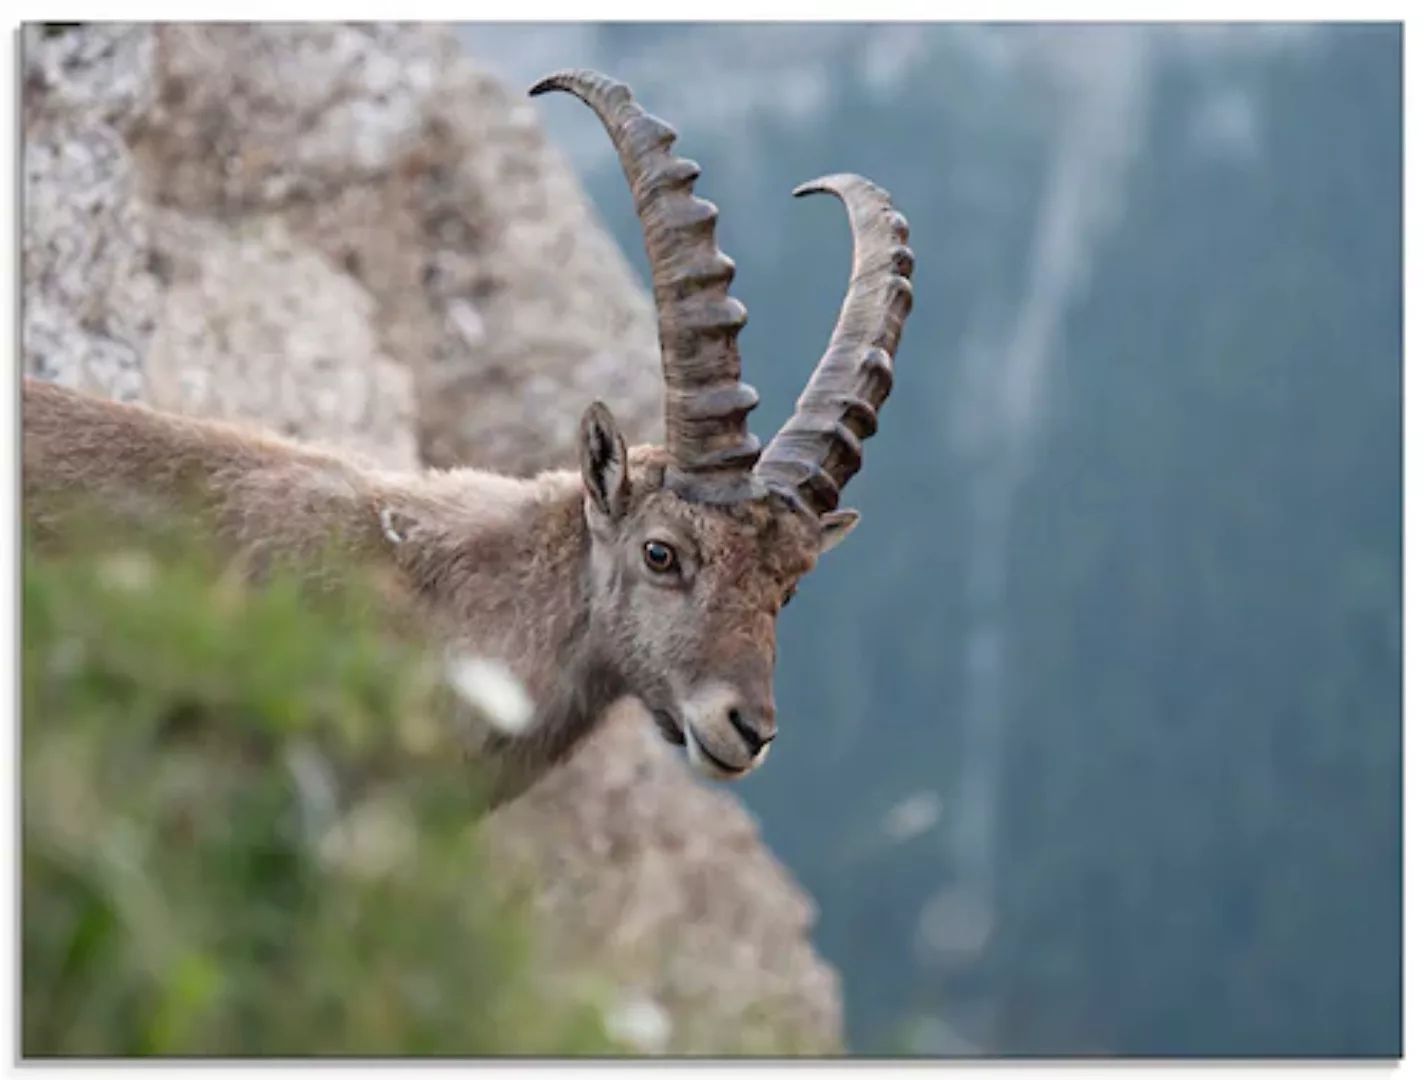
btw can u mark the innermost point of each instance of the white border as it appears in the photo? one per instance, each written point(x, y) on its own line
point(726, 10)
point(752, 11)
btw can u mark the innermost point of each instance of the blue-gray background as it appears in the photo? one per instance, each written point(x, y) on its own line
point(1091, 735)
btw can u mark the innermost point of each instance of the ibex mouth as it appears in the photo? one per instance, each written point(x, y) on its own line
point(699, 750)
point(669, 728)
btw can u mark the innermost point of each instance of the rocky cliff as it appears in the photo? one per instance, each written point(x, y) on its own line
point(353, 235)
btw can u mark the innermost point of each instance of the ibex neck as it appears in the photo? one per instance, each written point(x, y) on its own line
point(515, 588)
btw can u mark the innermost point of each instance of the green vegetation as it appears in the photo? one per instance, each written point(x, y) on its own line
point(243, 834)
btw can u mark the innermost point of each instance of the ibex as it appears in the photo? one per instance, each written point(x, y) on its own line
point(656, 572)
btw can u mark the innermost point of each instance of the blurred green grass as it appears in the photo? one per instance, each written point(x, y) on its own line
point(243, 832)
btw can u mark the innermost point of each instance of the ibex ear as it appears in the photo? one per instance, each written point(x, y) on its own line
point(836, 526)
point(603, 459)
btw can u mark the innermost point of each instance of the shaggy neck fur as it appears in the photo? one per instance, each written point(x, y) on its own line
point(513, 589)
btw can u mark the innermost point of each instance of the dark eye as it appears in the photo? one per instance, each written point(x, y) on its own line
point(661, 558)
point(788, 598)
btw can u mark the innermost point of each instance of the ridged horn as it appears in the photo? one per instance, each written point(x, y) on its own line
point(706, 401)
point(818, 450)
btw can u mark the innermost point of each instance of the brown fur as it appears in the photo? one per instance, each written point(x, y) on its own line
point(546, 574)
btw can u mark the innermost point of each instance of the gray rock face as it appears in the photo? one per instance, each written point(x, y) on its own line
point(90, 303)
point(352, 235)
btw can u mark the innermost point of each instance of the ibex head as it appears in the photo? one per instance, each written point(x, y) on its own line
point(697, 545)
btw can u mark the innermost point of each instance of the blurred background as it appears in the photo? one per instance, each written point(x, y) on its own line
point(1092, 736)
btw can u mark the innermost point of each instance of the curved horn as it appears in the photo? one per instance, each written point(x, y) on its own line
point(706, 402)
point(819, 449)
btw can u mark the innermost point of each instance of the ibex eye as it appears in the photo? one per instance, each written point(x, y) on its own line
point(660, 557)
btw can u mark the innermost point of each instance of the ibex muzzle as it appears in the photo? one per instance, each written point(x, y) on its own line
point(696, 546)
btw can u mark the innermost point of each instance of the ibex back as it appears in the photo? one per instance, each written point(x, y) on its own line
point(656, 572)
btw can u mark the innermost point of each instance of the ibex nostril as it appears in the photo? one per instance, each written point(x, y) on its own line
point(745, 727)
